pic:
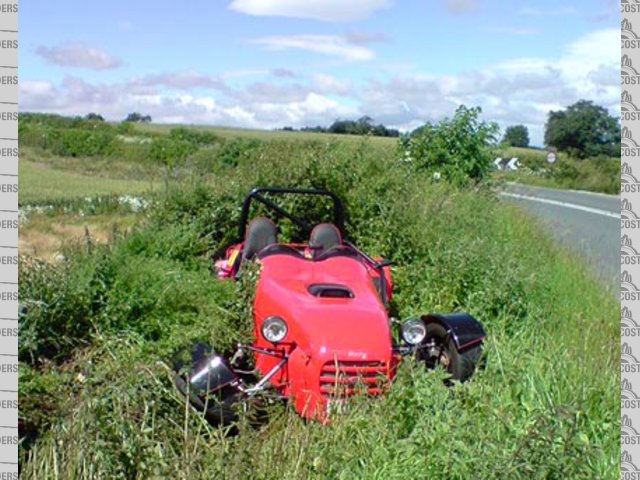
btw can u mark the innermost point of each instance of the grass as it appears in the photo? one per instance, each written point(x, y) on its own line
point(40, 183)
point(267, 135)
point(45, 236)
point(600, 174)
point(101, 328)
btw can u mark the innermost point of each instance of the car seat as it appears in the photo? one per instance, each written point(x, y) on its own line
point(323, 237)
point(261, 233)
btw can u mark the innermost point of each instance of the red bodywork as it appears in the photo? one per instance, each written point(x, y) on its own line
point(335, 346)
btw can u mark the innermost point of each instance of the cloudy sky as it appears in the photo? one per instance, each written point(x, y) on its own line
point(271, 63)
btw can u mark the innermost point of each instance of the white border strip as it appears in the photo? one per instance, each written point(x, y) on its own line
point(557, 203)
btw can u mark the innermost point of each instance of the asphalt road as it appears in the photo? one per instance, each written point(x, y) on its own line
point(586, 222)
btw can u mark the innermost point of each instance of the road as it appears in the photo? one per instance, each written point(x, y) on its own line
point(586, 222)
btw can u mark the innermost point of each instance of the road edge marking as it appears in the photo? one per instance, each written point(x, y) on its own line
point(558, 203)
point(552, 189)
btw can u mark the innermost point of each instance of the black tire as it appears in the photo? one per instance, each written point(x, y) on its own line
point(460, 365)
point(217, 409)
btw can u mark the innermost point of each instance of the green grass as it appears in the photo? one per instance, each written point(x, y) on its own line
point(39, 183)
point(267, 135)
point(96, 399)
point(600, 174)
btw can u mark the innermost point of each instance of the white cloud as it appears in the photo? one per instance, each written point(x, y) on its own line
point(261, 105)
point(327, 10)
point(282, 73)
point(521, 90)
point(461, 6)
point(78, 55)
point(364, 38)
point(331, 45)
point(181, 80)
point(38, 94)
point(332, 85)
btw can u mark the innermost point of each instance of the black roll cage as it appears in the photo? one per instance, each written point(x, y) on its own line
point(257, 195)
point(338, 220)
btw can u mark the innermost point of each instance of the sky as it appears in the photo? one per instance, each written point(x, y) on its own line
point(273, 63)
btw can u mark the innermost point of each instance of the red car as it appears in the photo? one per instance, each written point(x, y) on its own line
point(322, 325)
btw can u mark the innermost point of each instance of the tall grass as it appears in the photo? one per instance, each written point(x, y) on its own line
point(99, 332)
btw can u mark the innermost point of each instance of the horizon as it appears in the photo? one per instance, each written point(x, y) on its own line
point(308, 63)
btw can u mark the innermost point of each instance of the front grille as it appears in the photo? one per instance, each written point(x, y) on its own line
point(344, 378)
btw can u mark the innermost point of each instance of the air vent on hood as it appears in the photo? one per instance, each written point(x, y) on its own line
point(322, 290)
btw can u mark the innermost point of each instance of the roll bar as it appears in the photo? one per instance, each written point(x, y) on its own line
point(257, 195)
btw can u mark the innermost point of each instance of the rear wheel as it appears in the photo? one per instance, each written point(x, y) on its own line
point(439, 349)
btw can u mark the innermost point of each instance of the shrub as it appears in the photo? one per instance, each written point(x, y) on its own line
point(549, 392)
point(195, 137)
point(457, 148)
point(171, 152)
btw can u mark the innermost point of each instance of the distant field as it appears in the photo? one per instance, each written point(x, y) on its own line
point(40, 183)
point(230, 133)
point(45, 176)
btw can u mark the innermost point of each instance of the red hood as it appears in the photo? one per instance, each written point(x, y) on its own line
point(332, 328)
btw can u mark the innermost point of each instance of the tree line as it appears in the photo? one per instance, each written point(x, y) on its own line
point(362, 126)
point(582, 130)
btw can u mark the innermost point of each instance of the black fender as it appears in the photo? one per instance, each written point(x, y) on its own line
point(465, 331)
point(209, 372)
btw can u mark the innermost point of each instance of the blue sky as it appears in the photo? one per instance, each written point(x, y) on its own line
point(271, 63)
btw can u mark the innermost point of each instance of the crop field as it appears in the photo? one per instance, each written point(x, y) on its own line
point(104, 309)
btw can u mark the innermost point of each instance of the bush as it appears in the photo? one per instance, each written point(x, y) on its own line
point(549, 391)
point(195, 137)
point(171, 152)
point(78, 142)
point(457, 148)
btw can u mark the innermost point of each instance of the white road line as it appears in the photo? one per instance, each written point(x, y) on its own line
point(574, 206)
point(549, 189)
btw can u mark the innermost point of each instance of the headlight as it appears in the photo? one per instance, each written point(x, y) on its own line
point(414, 331)
point(274, 329)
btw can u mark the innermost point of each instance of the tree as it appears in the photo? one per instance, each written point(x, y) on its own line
point(456, 149)
point(363, 126)
point(340, 126)
point(137, 117)
point(94, 116)
point(516, 136)
point(583, 130)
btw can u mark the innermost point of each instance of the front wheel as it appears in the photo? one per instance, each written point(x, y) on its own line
point(439, 349)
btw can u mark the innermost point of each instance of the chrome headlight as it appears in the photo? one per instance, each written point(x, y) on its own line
point(274, 329)
point(414, 331)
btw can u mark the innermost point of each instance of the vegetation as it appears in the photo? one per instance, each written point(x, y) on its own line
point(41, 185)
point(455, 149)
point(100, 328)
point(137, 117)
point(94, 116)
point(516, 136)
point(362, 126)
point(599, 174)
point(583, 130)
